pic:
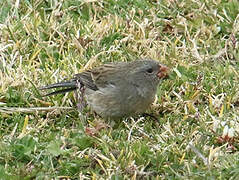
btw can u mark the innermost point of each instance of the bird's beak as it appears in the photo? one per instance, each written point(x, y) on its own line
point(163, 71)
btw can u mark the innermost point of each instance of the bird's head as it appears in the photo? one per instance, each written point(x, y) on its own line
point(148, 71)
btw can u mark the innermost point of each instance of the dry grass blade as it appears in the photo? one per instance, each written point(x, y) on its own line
point(199, 154)
point(11, 110)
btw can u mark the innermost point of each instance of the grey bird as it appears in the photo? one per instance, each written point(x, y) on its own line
point(116, 90)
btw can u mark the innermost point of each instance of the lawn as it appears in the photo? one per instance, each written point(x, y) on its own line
point(195, 132)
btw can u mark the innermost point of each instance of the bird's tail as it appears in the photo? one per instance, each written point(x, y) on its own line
point(67, 87)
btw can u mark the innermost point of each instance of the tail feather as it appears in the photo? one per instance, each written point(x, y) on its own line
point(68, 86)
point(62, 91)
point(60, 84)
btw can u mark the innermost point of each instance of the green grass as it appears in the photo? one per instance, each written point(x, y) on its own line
point(195, 135)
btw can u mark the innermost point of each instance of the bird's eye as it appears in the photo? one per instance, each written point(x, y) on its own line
point(150, 70)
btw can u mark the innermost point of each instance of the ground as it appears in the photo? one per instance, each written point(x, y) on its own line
point(195, 133)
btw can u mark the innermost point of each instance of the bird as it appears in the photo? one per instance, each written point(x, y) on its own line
point(116, 90)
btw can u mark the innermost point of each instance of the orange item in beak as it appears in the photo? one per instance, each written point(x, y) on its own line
point(163, 71)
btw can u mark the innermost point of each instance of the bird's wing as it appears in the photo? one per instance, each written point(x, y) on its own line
point(93, 79)
point(86, 79)
point(96, 78)
point(108, 74)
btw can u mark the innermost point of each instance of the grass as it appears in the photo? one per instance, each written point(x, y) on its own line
point(195, 135)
